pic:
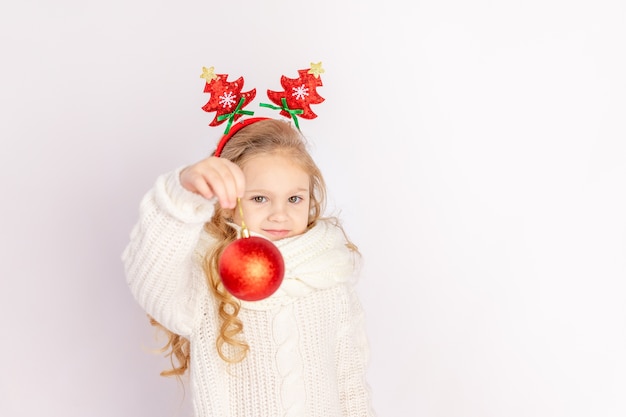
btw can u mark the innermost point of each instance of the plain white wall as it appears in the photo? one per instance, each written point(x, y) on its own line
point(476, 151)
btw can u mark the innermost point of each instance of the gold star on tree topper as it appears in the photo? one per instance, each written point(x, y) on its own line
point(208, 74)
point(316, 69)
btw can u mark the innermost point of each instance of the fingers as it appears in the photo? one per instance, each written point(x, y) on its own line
point(223, 181)
point(215, 177)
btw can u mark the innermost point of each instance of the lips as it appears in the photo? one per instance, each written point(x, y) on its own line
point(276, 234)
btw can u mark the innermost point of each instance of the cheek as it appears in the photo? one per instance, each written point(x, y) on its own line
point(251, 213)
point(235, 214)
point(303, 218)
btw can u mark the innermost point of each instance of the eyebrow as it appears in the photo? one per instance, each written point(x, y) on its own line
point(265, 191)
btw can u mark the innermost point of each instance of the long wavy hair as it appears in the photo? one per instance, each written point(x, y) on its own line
point(260, 138)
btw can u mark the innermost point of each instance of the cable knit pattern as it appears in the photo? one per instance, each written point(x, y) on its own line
point(316, 260)
point(308, 350)
point(289, 362)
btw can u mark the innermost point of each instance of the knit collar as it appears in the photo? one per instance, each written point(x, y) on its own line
point(315, 260)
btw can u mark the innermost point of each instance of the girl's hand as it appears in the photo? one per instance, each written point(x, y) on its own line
point(215, 177)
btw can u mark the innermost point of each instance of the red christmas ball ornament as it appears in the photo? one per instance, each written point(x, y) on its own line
point(252, 268)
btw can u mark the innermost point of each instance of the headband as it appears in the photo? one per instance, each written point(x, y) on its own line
point(228, 101)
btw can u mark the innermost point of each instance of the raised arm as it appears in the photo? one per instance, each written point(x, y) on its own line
point(161, 260)
point(159, 257)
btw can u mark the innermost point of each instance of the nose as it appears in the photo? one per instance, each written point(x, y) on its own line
point(278, 212)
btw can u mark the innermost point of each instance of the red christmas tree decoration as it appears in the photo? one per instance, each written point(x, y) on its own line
point(299, 93)
point(226, 97)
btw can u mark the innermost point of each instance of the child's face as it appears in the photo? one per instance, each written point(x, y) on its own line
point(276, 199)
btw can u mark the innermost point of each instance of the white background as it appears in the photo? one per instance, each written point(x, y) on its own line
point(476, 151)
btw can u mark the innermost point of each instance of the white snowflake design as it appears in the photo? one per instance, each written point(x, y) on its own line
point(227, 99)
point(300, 92)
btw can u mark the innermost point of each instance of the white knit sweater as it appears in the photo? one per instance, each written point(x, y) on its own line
point(308, 349)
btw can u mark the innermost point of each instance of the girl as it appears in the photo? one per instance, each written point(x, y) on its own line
point(300, 352)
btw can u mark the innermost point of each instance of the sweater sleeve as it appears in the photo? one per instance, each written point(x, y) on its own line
point(160, 261)
point(353, 358)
